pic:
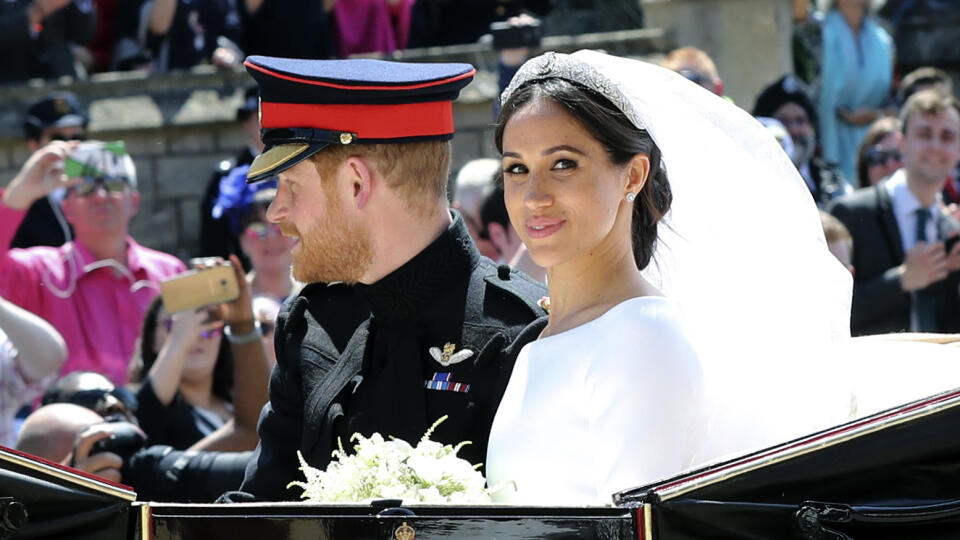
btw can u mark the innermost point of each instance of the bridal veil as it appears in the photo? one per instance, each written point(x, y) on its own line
point(741, 252)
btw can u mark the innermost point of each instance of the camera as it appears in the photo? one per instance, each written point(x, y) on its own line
point(510, 36)
point(199, 287)
point(125, 441)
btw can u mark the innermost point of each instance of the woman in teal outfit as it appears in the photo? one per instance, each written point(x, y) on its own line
point(857, 72)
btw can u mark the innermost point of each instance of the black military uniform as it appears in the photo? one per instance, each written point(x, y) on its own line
point(435, 337)
point(383, 378)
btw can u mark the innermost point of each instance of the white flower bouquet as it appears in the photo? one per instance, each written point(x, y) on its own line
point(429, 473)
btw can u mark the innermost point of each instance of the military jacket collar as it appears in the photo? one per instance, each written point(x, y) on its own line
point(415, 284)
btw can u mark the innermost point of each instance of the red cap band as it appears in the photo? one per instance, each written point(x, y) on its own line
point(367, 121)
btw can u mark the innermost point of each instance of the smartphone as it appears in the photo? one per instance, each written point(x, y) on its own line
point(201, 287)
point(509, 36)
point(95, 158)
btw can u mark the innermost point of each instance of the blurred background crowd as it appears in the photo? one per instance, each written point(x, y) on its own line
point(85, 338)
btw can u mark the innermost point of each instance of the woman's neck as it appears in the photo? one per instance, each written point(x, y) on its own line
point(273, 284)
point(853, 15)
point(584, 289)
point(198, 393)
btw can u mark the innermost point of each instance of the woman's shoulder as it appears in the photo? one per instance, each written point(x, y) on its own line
point(646, 337)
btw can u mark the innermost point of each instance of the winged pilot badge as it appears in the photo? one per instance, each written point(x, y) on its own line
point(449, 354)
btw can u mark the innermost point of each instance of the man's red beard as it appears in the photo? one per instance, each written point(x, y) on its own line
point(334, 248)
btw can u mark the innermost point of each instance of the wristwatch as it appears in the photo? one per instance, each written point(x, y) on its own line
point(243, 339)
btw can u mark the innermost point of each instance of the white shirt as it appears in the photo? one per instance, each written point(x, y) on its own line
point(612, 404)
point(905, 205)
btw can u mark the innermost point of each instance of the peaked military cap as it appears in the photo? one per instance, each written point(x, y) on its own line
point(57, 109)
point(307, 105)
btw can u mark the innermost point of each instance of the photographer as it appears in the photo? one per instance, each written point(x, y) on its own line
point(79, 438)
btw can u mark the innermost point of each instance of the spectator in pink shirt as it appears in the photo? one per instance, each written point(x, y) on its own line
point(95, 289)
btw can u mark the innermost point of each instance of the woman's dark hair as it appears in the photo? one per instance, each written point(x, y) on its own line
point(622, 141)
point(222, 371)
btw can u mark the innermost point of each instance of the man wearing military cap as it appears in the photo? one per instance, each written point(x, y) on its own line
point(55, 116)
point(419, 325)
point(788, 101)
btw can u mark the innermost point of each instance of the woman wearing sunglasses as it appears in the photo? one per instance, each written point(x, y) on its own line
point(187, 389)
point(879, 154)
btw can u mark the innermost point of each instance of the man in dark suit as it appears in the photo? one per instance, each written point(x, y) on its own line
point(905, 277)
point(419, 325)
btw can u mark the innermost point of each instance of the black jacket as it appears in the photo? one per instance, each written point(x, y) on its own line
point(358, 359)
point(879, 303)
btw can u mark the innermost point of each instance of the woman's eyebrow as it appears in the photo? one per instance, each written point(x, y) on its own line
point(566, 147)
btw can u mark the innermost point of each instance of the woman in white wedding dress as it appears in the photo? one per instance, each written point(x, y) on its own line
point(585, 189)
point(722, 328)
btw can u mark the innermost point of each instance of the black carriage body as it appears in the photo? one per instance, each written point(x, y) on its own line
point(895, 474)
point(322, 522)
point(892, 475)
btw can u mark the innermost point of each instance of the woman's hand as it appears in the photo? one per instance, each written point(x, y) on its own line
point(239, 312)
point(187, 327)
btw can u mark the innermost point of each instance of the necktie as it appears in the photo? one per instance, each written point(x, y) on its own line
point(923, 215)
point(926, 300)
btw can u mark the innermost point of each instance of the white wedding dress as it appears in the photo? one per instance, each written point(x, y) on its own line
point(609, 405)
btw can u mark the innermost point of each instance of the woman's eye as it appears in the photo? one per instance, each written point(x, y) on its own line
point(562, 164)
point(515, 168)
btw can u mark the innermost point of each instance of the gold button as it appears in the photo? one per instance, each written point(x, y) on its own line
point(346, 138)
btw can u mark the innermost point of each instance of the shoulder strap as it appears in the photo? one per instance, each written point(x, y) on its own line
point(518, 285)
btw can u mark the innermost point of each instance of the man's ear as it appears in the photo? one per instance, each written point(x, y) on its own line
point(638, 169)
point(361, 179)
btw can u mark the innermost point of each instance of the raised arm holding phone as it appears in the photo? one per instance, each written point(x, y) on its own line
point(95, 288)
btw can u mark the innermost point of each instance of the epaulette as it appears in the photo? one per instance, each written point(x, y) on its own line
point(519, 285)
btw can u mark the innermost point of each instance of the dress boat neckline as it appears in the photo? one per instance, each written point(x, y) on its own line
point(605, 314)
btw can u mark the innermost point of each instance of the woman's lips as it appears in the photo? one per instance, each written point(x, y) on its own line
point(542, 227)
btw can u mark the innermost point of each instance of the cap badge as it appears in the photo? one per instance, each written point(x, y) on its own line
point(405, 532)
point(449, 355)
point(61, 106)
point(346, 138)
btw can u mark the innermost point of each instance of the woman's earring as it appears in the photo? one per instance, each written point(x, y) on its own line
point(631, 196)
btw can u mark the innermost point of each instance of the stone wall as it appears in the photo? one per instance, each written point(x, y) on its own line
point(178, 127)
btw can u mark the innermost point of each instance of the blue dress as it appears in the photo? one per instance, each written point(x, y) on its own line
point(857, 72)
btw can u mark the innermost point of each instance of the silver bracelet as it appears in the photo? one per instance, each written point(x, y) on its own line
point(244, 339)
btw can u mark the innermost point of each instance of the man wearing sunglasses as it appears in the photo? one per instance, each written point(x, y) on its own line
point(54, 117)
point(96, 288)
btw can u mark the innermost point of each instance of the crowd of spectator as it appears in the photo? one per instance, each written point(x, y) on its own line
point(85, 338)
point(74, 38)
